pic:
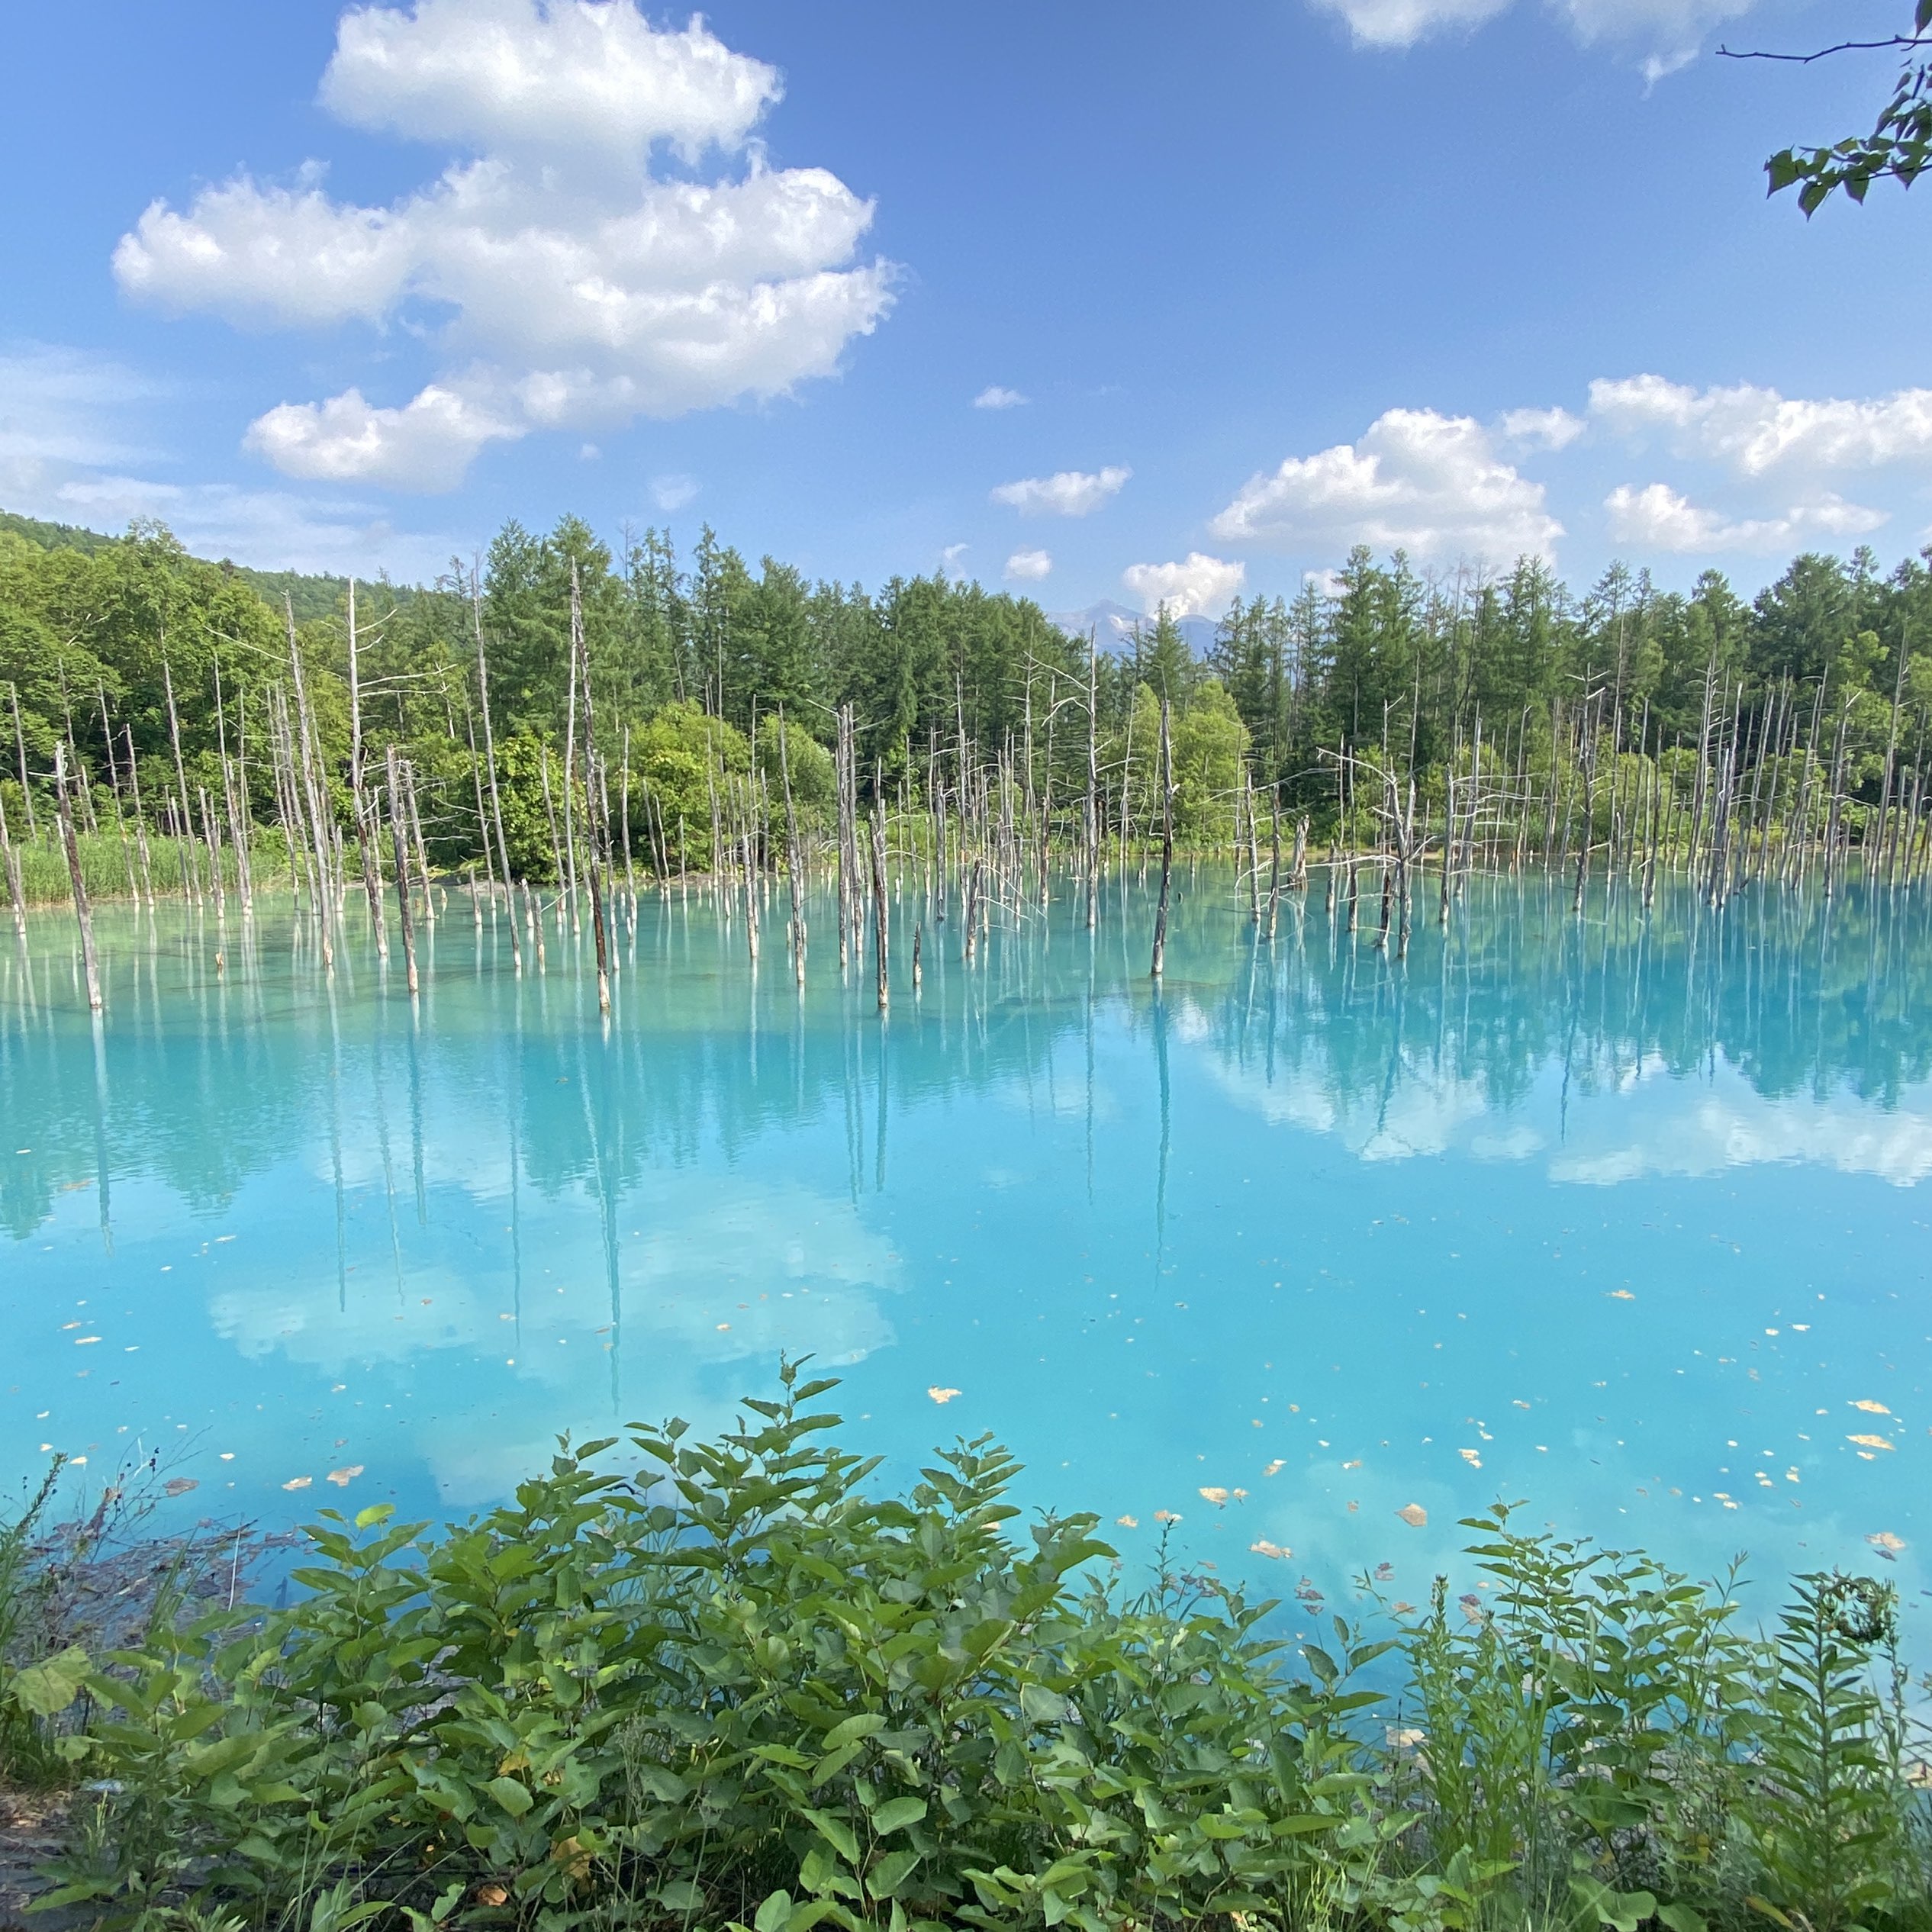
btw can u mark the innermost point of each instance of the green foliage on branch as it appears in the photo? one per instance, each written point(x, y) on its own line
point(1898, 148)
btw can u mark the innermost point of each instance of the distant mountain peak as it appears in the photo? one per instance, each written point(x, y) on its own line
point(1113, 626)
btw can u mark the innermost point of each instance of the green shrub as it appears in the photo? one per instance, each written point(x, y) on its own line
point(733, 1689)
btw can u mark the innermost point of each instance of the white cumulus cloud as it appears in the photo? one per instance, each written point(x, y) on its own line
point(1659, 518)
point(75, 430)
point(1066, 493)
point(1665, 33)
point(993, 396)
point(1198, 586)
point(426, 445)
point(571, 286)
point(1029, 566)
point(549, 74)
point(1757, 431)
point(1417, 480)
point(1541, 429)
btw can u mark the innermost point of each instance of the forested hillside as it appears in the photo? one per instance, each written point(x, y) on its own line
point(691, 658)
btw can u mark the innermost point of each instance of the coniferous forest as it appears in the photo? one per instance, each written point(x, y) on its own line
point(167, 686)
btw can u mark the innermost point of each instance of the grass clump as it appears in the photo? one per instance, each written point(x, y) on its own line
point(734, 1690)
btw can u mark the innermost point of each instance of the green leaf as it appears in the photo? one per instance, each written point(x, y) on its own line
point(377, 1512)
point(775, 1913)
point(897, 1814)
point(891, 1872)
point(837, 1834)
point(514, 1798)
point(1625, 1911)
point(1687, 1918)
point(1042, 1705)
point(862, 1724)
point(46, 1689)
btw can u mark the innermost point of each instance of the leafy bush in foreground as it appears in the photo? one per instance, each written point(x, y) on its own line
point(735, 1690)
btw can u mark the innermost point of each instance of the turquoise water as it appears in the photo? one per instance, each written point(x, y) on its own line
point(1624, 1218)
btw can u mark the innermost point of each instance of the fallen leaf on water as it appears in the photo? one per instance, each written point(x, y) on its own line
point(1621, 1294)
point(1265, 1548)
point(1383, 1572)
point(1215, 1495)
point(1273, 1469)
point(298, 1482)
point(1402, 1609)
point(1356, 1464)
point(1165, 1516)
point(1885, 1541)
point(1128, 1522)
point(342, 1478)
point(1517, 1402)
point(940, 1395)
point(1240, 1496)
point(179, 1485)
point(1470, 1456)
point(1870, 1442)
point(723, 1326)
point(1871, 1407)
point(1413, 1515)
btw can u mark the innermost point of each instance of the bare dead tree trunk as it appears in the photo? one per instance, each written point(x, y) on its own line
point(402, 848)
point(1166, 843)
point(72, 847)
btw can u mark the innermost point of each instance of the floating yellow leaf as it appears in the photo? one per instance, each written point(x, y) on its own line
point(940, 1395)
point(1215, 1495)
point(1413, 1515)
point(1273, 1469)
point(1128, 1522)
point(1871, 1407)
point(1165, 1516)
point(1621, 1294)
point(1356, 1464)
point(1470, 1456)
point(298, 1482)
point(1265, 1548)
point(1885, 1540)
point(1870, 1442)
point(342, 1478)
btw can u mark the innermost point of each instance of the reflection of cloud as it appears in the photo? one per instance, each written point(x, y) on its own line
point(1743, 1130)
point(1644, 1121)
point(724, 1265)
point(1423, 1114)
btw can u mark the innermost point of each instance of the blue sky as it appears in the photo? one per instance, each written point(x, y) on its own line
point(345, 289)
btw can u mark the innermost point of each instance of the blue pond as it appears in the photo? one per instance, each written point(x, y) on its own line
point(1315, 1249)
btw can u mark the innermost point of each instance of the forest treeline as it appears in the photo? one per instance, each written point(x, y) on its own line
point(692, 659)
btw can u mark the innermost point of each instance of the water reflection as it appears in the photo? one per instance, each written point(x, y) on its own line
point(1611, 1211)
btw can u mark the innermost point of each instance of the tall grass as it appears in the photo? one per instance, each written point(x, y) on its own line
point(111, 868)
